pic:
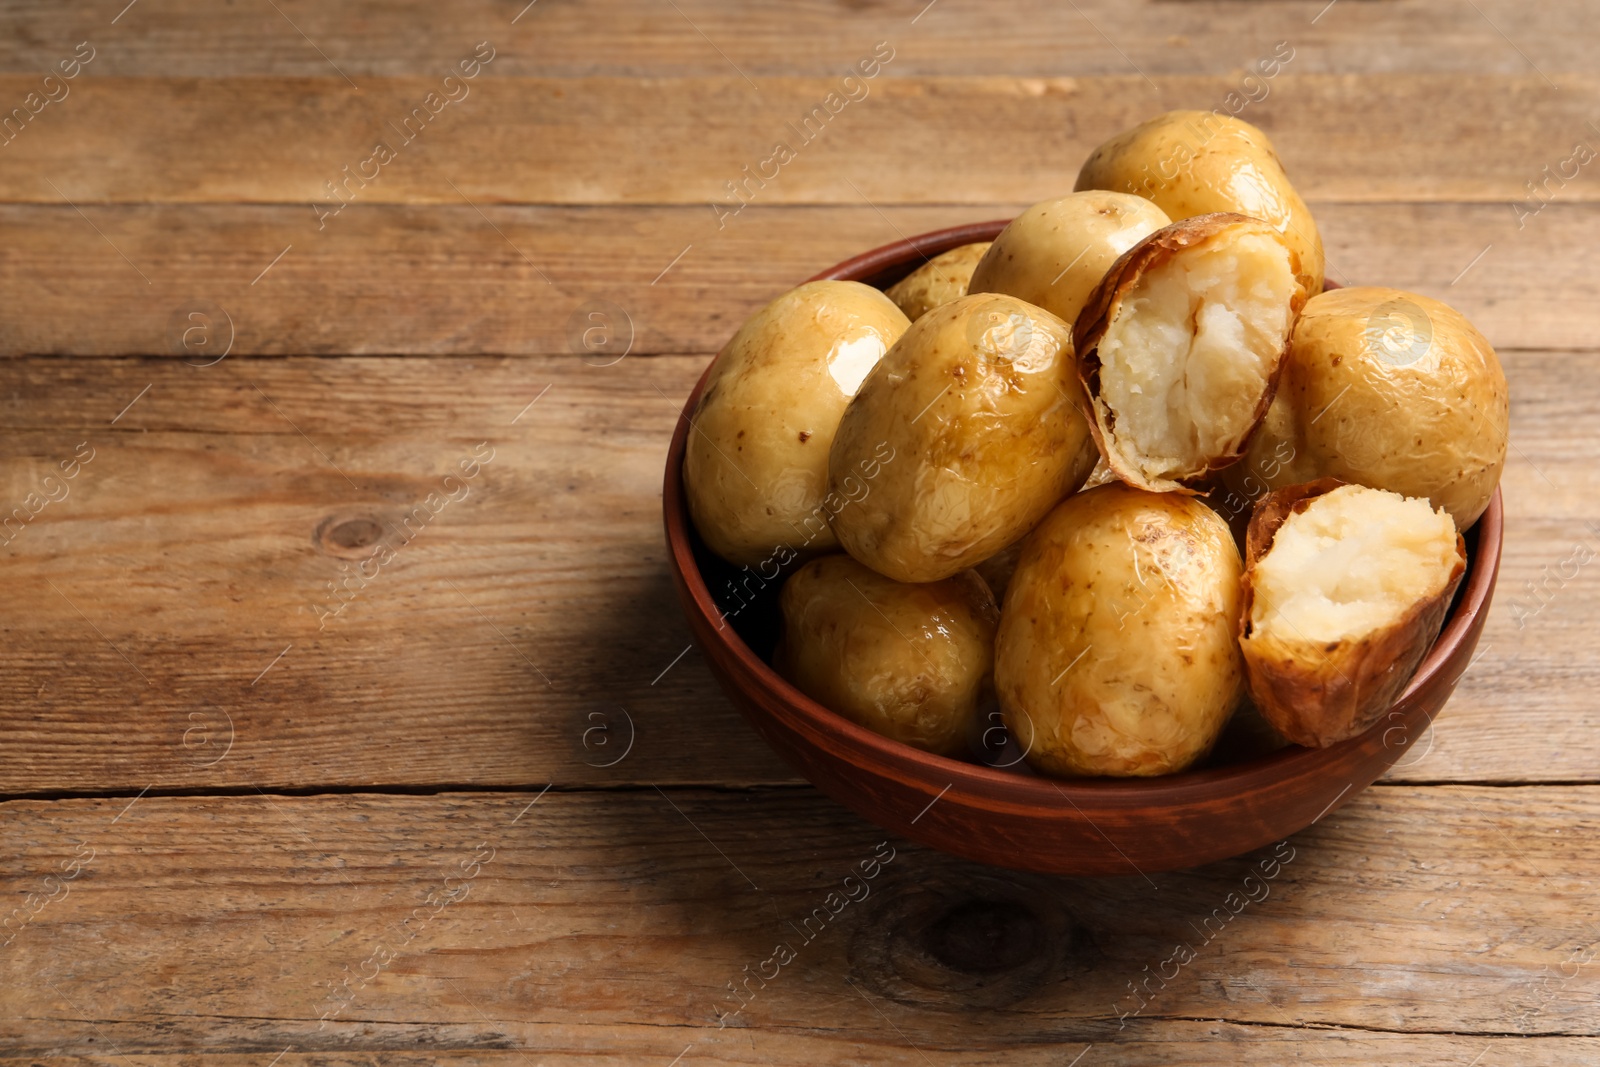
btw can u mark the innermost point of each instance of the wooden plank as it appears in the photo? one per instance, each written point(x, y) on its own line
point(608, 927)
point(527, 650)
point(711, 37)
point(190, 543)
point(1180, 1043)
point(439, 280)
point(972, 140)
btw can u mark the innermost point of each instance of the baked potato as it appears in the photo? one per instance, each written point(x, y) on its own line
point(1345, 589)
point(1390, 390)
point(938, 281)
point(1117, 652)
point(755, 469)
point(911, 662)
point(1179, 348)
point(1055, 253)
point(1198, 162)
point(975, 404)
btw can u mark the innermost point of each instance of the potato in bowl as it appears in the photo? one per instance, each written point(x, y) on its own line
point(1345, 590)
point(756, 468)
point(1391, 390)
point(911, 662)
point(938, 281)
point(1192, 163)
point(1055, 253)
point(1116, 653)
point(976, 402)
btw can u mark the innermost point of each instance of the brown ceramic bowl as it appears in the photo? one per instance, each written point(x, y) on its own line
point(1245, 797)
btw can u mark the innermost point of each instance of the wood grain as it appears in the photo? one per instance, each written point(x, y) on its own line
point(972, 140)
point(712, 37)
point(159, 633)
point(190, 543)
point(481, 924)
point(440, 280)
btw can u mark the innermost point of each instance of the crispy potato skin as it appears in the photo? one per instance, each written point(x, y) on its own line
point(976, 406)
point(1390, 390)
point(1197, 162)
point(756, 466)
point(1319, 693)
point(1117, 650)
point(911, 662)
point(1103, 305)
point(1055, 253)
point(938, 281)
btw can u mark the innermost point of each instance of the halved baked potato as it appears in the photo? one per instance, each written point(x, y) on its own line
point(1345, 589)
point(1180, 346)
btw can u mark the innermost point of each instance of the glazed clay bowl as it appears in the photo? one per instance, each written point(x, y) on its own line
point(1247, 796)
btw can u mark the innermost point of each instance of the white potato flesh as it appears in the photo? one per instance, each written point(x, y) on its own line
point(1191, 352)
point(1355, 561)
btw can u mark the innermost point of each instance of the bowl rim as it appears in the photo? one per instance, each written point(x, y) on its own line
point(1001, 784)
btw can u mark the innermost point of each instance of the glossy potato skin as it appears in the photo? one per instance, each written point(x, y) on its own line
point(977, 402)
point(911, 662)
point(1391, 390)
point(1318, 693)
point(1197, 162)
point(755, 469)
point(1117, 652)
point(1055, 253)
point(938, 281)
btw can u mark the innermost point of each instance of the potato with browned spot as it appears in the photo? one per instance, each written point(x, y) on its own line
point(1117, 652)
point(911, 662)
point(976, 404)
point(938, 281)
point(1197, 162)
point(755, 467)
point(1387, 389)
point(1055, 253)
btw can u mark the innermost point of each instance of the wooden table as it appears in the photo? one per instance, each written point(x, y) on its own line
point(480, 802)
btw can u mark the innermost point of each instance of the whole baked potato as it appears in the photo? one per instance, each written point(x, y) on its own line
point(1197, 162)
point(976, 406)
point(911, 662)
point(1055, 253)
point(1180, 345)
point(1386, 389)
point(1117, 652)
point(755, 469)
point(1345, 590)
point(938, 281)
